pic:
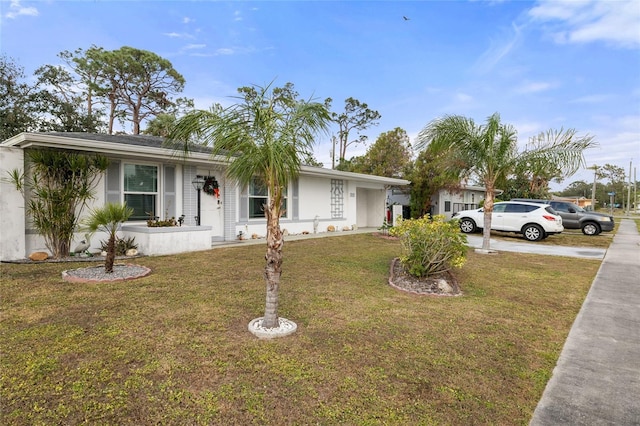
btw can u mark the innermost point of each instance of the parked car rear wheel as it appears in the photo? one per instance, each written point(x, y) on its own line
point(468, 226)
point(533, 232)
point(590, 228)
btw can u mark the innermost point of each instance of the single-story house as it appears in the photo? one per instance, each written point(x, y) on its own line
point(156, 182)
point(443, 202)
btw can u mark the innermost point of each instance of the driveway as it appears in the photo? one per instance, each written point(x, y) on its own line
point(502, 245)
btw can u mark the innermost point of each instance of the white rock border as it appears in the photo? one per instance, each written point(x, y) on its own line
point(285, 328)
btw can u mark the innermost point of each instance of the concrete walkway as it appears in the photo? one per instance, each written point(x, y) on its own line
point(597, 378)
point(473, 241)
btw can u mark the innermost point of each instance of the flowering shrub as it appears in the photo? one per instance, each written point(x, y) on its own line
point(430, 246)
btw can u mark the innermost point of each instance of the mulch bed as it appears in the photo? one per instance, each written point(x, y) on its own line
point(444, 284)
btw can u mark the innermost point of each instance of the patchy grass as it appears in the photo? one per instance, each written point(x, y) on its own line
point(173, 347)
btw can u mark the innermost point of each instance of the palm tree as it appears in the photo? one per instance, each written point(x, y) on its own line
point(490, 152)
point(108, 218)
point(265, 136)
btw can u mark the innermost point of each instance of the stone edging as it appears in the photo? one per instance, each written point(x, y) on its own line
point(417, 293)
point(118, 277)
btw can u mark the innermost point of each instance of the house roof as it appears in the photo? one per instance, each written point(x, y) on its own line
point(144, 146)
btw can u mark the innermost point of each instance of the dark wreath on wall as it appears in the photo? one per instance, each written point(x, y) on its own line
point(211, 187)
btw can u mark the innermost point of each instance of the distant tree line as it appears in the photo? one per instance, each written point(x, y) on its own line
point(91, 92)
point(95, 89)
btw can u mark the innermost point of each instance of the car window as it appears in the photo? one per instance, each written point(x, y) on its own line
point(551, 210)
point(564, 207)
point(514, 208)
point(560, 207)
point(499, 208)
point(520, 208)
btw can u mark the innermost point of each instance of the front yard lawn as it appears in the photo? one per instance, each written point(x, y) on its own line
point(173, 347)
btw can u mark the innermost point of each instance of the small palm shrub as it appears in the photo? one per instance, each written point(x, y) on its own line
point(108, 218)
point(122, 245)
point(430, 247)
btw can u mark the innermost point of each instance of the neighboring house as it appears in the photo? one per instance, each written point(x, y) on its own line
point(447, 203)
point(443, 202)
point(583, 202)
point(156, 182)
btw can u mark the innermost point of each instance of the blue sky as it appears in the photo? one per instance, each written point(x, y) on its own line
point(540, 64)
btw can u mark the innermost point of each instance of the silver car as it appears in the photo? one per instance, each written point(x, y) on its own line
point(534, 221)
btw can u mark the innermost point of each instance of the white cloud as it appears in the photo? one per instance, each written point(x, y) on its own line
point(526, 129)
point(225, 51)
point(237, 15)
point(463, 98)
point(498, 49)
point(239, 50)
point(613, 22)
point(534, 87)
point(16, 9)
point(591, 99)
point(187, 20)
point(178, 35)
point(194, 46)
point(618, 139)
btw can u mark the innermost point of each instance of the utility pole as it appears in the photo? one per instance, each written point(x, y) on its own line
point(629, 191)
point(333, 152)
point(593, 190)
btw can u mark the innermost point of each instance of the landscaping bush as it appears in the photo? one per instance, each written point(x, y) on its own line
point(60, 184)
point(430, 246)
point(122, 245)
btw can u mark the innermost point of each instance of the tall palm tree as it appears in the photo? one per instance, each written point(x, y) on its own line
point(266, 136)
point(108, 218)
point(490, 152)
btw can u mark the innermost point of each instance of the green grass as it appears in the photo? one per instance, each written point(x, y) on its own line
point(173, 347)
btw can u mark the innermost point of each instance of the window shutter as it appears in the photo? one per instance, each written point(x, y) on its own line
point(294, 200)
point(244, 205)
point(170, 191)
point(113, 192)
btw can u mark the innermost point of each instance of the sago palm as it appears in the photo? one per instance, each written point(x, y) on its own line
point(490, 153)
point(108, 219)
point(265, 136)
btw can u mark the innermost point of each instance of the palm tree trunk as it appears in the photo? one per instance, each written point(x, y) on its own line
point(111, 255)
point(273, 268)
point(488, 209)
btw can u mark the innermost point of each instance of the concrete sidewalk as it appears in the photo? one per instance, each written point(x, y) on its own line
point(597, 378)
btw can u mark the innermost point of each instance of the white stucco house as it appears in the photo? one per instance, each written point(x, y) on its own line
point(443, 202)
point(155, 181)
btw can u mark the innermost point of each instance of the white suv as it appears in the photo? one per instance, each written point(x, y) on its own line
point(534, 221)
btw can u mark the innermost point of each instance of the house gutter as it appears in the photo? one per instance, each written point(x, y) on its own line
point(43, 140)
point(338, 174)
point(39, 140)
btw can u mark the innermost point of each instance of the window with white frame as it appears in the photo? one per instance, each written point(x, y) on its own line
point(258, 196)
point(141, 190)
